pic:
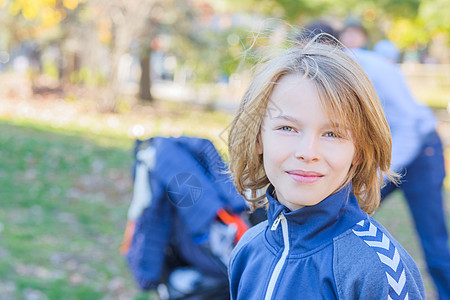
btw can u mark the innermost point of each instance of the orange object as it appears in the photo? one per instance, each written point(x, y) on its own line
point(234, 219)
point(127, 237)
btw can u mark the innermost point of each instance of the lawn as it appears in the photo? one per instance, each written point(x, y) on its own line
point(63, 200)
point(65, 186)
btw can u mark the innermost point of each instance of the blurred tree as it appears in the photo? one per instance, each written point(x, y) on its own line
point(42, 23)
point(46, 13)
point(120, 22)
point(433, 14)
point(293, 11)
point(140, 23)
point(408, 33)
point(208, 38)
point(210, 53)
point(408, 21)
point(206, 43)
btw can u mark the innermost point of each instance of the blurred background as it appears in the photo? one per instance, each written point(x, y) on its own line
point(80, 80)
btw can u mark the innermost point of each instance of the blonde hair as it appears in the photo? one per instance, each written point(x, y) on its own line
point(349, 99)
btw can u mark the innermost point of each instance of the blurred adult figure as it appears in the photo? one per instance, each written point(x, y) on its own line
point(387, 49)
point(417, 153)
point(354, 36)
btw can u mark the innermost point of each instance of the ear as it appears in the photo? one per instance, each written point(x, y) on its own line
point(259, 146)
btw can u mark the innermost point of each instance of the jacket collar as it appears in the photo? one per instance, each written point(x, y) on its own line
point(313, 226)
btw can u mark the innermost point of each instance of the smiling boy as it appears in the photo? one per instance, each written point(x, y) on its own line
point(322, 160)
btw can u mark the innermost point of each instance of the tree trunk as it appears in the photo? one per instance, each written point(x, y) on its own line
point(145, 82)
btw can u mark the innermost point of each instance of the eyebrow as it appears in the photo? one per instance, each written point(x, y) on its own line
point(297, 121)
point(287, 118)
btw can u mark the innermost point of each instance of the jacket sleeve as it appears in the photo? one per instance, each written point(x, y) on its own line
point(362, 272)
point(357, 271)
point(237, 262)
point(416, 289)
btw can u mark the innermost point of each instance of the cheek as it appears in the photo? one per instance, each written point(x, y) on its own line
point(347, 158)
point(278, 147)
point(274, 155)
point(342, 157)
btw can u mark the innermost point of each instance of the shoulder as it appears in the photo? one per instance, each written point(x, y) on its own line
point(367, 56)
point(374, 65)
point(246, 239)
point(241, 254)
point(369, 263)
point(357, 269)
point(413, 277)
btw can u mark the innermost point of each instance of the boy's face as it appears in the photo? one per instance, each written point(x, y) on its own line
point(304, 158)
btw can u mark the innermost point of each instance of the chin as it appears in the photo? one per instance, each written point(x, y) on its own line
point(305, 198)
point(311, 203)
point(305, 202)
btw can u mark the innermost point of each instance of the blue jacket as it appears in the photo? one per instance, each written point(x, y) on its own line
point(332, 250)
point(188, 186)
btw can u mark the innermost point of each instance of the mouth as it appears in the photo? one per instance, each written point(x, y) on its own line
point(301, 176)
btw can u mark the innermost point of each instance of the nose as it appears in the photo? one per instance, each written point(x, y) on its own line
point(307, 148)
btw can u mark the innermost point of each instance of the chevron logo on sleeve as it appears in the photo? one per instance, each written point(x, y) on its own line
point(388, 255)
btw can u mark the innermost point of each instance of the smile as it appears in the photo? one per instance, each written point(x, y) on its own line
point(304, 176)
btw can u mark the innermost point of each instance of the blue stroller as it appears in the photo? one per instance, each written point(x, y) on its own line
point(185, 218)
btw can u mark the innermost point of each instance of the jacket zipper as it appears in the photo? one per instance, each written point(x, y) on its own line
point(276, 272)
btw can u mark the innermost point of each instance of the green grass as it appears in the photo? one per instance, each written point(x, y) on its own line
point(62, 215)
point(64, 195)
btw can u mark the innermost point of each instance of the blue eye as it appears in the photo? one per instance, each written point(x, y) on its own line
point(286, 128)
point(331, 134)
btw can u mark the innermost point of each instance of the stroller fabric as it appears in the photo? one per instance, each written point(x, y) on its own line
point(188, 185)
